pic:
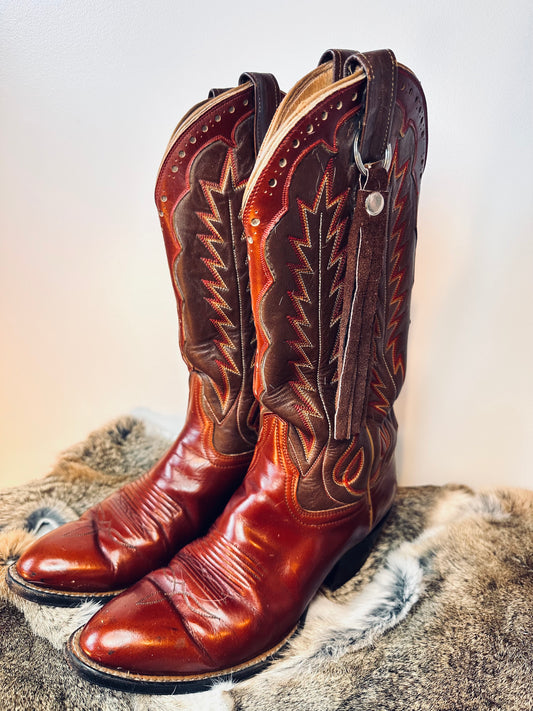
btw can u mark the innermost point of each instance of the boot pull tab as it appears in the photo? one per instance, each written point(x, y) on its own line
point(267, 99)
point(367, 240)
point(338, 57)
point(381, 72)
point(213, 93)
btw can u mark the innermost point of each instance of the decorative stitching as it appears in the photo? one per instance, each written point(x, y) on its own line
point(225, 344)
point(323, 204)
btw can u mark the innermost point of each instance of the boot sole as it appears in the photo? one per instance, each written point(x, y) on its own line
point(49, 596)
point(171, 684)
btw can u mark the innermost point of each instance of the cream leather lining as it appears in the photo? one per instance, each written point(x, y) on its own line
point(303, 97)
point(197, 111)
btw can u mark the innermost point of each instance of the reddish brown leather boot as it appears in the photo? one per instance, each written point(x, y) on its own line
point(199, 196)
point(330, 217)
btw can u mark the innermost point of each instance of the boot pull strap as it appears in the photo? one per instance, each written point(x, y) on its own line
point(338, 57)
point(267, 99)
point(213, 93)
point(367, 241)
point(381, 72)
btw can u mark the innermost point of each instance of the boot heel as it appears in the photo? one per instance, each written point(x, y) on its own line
point(353, 560)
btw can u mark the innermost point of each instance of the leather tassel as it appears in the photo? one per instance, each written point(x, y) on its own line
point(364, 269)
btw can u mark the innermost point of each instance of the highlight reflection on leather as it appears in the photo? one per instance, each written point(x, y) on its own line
point(239, 589)
point(199, 195)
point(310, 495)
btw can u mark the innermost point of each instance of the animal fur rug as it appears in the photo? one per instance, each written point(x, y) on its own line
point(440, 618)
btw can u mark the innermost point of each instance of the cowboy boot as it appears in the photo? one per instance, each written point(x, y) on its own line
point(330, 217)
point(199, 196)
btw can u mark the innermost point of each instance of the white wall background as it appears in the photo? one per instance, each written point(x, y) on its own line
point(90, 92)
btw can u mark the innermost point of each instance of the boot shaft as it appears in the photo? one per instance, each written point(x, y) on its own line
point(199, 196)
point(330, 218)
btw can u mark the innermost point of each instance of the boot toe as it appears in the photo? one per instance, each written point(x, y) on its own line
point(141, 631)
point(67, 559)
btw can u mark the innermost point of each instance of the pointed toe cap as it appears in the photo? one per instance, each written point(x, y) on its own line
point(141, 631)
point(67, 559)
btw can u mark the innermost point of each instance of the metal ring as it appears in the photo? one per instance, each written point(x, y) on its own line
point(358, 160)
point(387, 158)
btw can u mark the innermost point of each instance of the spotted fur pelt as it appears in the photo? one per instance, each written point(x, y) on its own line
point(440, 618)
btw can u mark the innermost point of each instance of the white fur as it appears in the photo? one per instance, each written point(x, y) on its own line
point(458, 505)
point(55, 624)
point(216, 699)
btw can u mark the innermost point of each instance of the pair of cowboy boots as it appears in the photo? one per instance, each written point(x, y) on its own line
point(290, 229)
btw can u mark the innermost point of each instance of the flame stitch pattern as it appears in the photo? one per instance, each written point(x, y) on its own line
point(398, 289)
point(218, 195)
point(325, 212)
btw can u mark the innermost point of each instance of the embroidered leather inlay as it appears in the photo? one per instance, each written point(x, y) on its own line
point(208, 258)
point(390, 328)
point(349, 467)
point(219, 222)
point(319, 250)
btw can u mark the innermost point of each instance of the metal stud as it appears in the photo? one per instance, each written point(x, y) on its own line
point(255, 222)
point(374, 204)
